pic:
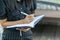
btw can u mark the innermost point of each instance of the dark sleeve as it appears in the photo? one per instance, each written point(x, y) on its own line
point(2, 10)
point(33, 6)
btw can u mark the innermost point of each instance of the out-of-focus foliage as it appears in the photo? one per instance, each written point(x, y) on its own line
point(57, 0)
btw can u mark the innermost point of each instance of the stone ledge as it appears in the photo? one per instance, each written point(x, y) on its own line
point(48, 13)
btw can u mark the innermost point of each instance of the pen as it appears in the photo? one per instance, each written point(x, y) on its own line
point(24, 13)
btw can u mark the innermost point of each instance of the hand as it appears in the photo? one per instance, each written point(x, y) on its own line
point(29, 18)
point(23, 29)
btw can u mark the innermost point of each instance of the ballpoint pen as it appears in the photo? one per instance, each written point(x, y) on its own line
point(24, 13)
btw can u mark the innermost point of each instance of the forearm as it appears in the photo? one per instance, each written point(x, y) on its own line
point(10, 23)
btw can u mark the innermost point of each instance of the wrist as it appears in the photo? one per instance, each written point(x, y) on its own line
point(22, 21)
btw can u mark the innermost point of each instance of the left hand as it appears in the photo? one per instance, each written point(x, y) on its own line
point(23, 29)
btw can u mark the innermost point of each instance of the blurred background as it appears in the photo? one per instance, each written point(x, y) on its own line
point(49, 27)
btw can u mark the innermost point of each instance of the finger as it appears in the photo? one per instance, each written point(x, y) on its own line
point(32, 15)
point(18, 29)
point(25, 30)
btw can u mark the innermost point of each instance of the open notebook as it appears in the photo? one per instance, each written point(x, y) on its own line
point(28, 25)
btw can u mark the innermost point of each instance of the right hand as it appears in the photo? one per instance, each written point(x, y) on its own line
point(29, 18)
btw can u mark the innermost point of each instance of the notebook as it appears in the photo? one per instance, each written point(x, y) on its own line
point(28, 25)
